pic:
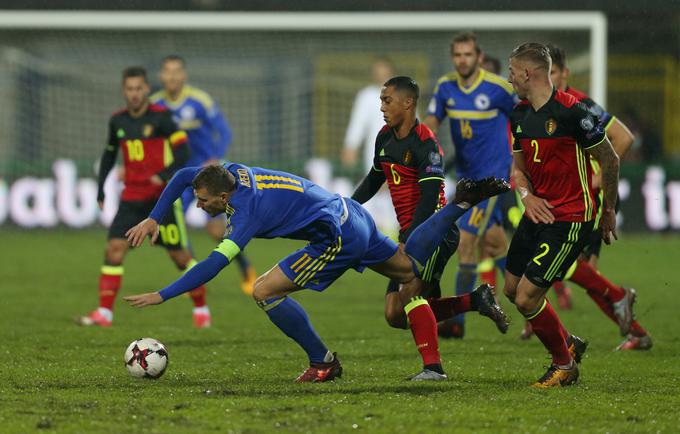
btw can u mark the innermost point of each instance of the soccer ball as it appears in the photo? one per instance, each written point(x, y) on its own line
point(146, 358)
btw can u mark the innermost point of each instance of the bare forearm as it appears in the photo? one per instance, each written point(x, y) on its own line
point(609, 161)
point(620, 137)
point(610, 181)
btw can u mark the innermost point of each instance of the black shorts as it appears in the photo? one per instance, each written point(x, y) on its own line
point(544, 252)
point(594, 244)
point(173, 232)
point(434, 267)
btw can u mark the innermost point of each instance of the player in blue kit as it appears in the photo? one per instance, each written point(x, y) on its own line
point(477, 104)
point(209, 137)
point(261, 203)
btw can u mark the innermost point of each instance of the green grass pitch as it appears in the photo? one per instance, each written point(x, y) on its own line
point(237, 376)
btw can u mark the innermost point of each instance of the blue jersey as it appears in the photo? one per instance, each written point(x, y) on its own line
point(478, 118)
point(197, 114)
point(270, 204)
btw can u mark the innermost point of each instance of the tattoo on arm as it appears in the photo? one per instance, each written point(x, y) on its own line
point(605, 155)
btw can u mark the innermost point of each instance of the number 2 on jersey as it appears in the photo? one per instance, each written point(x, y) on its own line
point(465, 129)
point(534, 144)
point(135, 150)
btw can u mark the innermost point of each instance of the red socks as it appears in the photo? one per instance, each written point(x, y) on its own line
point(424, 329)
point(198, 296)
point(606, 307)
point(588, 277)
point(109, 284)
point(448, 307)
point(547, 326)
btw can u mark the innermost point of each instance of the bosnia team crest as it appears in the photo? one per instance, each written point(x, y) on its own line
point(550, 126)
point(482, 101)
point(148, 130)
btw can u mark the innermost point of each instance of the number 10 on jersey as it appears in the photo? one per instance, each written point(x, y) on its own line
point(135, 149)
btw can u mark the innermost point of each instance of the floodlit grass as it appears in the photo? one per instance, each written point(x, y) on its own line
point(237, 376)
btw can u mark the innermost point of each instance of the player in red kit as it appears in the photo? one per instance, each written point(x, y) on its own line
point(553, 136)
point(615, 301)
point(153, 149)
point(408, 157)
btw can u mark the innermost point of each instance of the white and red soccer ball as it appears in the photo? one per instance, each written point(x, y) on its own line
point(146, 358)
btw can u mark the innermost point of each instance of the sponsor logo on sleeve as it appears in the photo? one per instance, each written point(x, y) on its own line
point(587, 123)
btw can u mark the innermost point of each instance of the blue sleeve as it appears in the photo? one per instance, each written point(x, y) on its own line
point(243, 226)
point(199, 274)
point(437, 106)
point(507, 102)
point(219, 125)
point(173, 191)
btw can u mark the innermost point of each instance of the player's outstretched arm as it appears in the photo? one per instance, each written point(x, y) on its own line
point(139, 232)
point(173, 191)
point(201, 273)
point(369, 186)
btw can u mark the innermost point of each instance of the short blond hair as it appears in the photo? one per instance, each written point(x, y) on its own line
point(533, 52)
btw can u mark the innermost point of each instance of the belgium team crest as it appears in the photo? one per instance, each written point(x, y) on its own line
point(148, 130)
point(550, 126)
point(408, 157)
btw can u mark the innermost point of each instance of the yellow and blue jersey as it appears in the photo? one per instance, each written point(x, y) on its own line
point(478, 117)
point(273, 204)
point(195, 112)
point(270, 204)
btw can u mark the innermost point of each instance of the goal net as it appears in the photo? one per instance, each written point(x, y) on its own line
point(286, 82)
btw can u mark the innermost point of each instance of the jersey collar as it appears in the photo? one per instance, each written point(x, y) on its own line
point(474, 85)
point(183, 95)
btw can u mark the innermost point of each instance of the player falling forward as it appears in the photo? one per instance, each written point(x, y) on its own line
point(209, 135)
point(553, 132)
point(615, 301)
point(408, 157)
point(262, 203)
point(153, 149)
point(477, 104)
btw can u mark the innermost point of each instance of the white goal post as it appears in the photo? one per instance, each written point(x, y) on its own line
point(594, 22)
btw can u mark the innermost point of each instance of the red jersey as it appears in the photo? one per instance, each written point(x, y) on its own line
point(147, 143)
point(406, 163)
point(553, 141)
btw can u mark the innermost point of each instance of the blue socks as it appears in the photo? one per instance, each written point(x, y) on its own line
point(425, 239)
point(292, 319)
point(500, 263)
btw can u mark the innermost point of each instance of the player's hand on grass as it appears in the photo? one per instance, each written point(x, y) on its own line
point(538, 209)
point(608, 225)
point(142, 300)
point(146, 227)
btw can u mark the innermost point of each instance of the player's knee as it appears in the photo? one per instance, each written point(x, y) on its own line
point(526, 304)
point(114, 254)
point(260, 290)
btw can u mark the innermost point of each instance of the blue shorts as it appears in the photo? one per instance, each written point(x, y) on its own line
point(358, 245)
point(482, 216)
